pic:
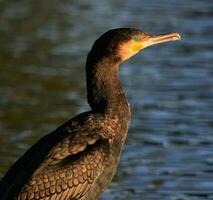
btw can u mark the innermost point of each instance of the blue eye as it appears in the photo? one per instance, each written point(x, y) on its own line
point(137, 38)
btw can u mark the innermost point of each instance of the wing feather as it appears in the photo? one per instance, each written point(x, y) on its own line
point(69, 161)
point(71, 176)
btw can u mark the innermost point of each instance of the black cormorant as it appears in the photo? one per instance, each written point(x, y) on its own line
point(79, 159)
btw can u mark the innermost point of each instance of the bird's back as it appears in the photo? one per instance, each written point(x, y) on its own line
point(66, 164)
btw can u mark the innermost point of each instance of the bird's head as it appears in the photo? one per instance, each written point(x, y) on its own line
point(122, 43)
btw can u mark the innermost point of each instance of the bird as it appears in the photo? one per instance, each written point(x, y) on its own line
point(78, 160)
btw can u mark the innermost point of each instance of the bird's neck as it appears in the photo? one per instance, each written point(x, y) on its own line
point(104, 92)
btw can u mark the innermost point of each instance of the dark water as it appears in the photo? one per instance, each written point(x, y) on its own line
point(43, 47)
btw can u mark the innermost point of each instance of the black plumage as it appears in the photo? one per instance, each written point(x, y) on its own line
point(79, 159)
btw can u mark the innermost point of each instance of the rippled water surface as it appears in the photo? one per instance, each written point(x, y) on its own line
point(43, 47)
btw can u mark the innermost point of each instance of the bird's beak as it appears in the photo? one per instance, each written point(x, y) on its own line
point(161, 38)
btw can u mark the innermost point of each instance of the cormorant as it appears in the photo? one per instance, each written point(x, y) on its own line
point(79, 159)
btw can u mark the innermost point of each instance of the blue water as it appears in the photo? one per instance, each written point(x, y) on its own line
point(169, 151)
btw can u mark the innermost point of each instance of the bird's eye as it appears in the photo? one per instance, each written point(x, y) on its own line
point(137, 38)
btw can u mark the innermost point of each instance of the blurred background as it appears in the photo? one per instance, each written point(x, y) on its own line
point(43, 47)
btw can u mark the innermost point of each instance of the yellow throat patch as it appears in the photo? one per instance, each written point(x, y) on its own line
point(136, 47)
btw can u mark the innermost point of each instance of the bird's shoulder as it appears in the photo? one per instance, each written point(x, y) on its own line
point(82, 131)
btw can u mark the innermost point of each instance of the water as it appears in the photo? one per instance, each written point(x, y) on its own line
point(169, 150)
